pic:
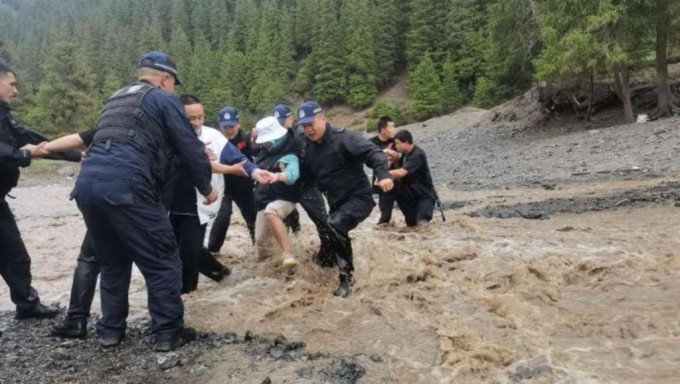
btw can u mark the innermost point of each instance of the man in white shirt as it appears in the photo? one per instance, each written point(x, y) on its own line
point(189, 216)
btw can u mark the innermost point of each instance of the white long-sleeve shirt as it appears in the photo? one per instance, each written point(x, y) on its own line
point(215, 141)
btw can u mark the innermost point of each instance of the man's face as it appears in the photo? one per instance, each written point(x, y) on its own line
point(389, 131)
point(196, 115)
point(401, 147)
point(316, 129)
point(231, 131)
point(8, 88)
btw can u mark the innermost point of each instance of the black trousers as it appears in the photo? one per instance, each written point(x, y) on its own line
point(88, 268)
point(15, 264)
point(343, 217)
point(126, 226)
point(245, 200)
point(416, 209)
point(313, 204)
point(84, 281)
point(386, 204)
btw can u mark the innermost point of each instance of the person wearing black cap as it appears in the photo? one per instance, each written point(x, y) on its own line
point(236, 189)
point(141, 136)
point(17, 146)
point(334, 160)
point(310, 200)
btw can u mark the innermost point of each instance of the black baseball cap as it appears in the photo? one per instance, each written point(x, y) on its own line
point(160, 61)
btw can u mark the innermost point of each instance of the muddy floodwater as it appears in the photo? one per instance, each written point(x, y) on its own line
point(585, 297)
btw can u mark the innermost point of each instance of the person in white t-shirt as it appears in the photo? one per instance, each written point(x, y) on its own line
point(189, 216)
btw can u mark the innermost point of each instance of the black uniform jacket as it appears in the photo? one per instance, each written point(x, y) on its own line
point(336, 164)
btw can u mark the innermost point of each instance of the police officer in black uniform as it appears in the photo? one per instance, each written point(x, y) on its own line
point(17, 146)
point(311, 199)
point(334, 160)
point(236, 189)
point(141, 133)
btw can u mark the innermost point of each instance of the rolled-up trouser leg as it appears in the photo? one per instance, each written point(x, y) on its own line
point(15, 264)
point(220, 226)
point(84, 281)
point(344, 217)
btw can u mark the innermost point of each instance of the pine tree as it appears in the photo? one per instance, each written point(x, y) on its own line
point(385, 22)
point(467, 42)
point(65, 101)
point(426, 90)
point(515, 40)
point(180, 49)
point(111, 84)
point(180, 19)
point(427, 29)
point(330, 83)
point(452, 96)
point(361, 69)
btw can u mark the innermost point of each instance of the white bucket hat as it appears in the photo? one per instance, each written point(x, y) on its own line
point(269, 129)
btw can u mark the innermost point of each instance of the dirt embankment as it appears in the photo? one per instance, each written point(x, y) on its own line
point(590, 294)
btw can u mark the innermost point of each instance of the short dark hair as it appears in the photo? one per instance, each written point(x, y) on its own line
point(189, 99)
point(383, 121)
point(5, 69)
point(404, 136)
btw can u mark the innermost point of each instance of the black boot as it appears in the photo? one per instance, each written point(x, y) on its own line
point(346, 284)
point(71, 329)
point(185, 336)
point(39, 311)
point(109, 340)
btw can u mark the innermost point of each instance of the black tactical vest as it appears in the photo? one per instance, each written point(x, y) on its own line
point(123, 120)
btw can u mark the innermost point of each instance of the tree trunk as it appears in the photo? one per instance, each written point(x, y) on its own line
point(622, 79)
point(665, 102)
point(592, 95)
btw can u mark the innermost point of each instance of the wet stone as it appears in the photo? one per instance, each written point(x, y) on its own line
point(169, 361)
point(248, 337)
point(280, 340)
point(295, 345)
point(60, 354)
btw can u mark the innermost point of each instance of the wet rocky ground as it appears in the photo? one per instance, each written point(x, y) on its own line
point(470, 152)
point(31, 355)
point(666, 194)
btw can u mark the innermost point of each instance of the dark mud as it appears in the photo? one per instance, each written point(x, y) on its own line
point(29, 354)
point(663, 194)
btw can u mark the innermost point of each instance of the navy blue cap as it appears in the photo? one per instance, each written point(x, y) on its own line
point(228, 117)
point(160, 61)
point(282, 112)
point(308, 111)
